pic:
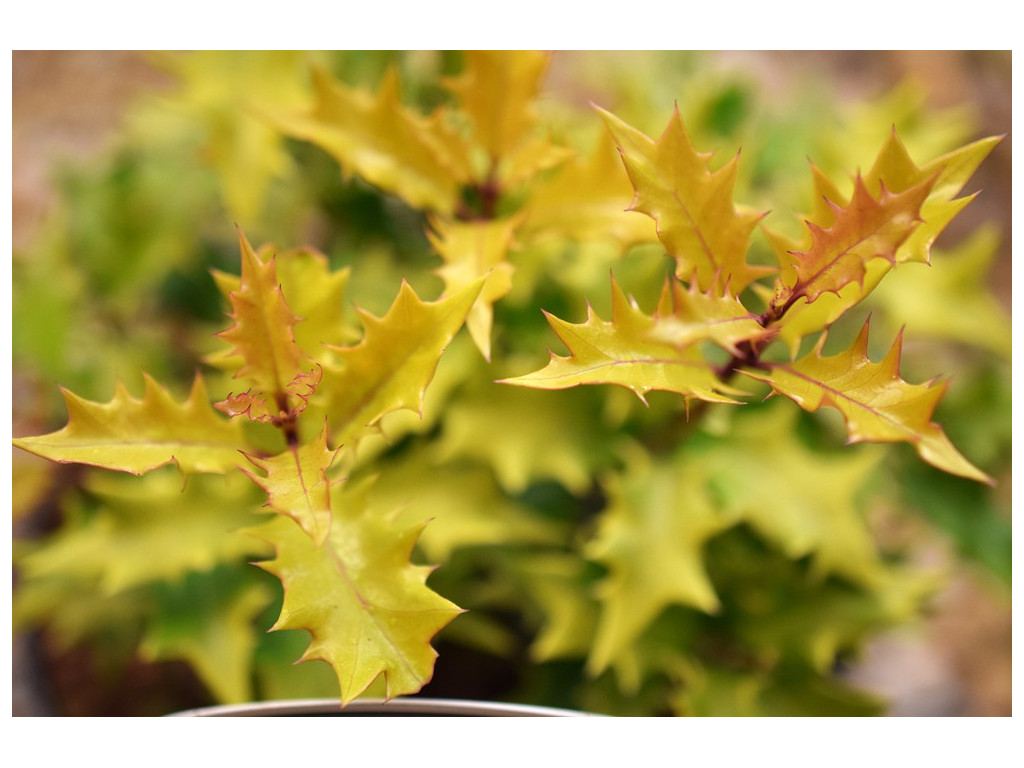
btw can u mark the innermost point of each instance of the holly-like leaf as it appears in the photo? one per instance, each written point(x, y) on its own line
point(688, 316)
point(865, 229)
point(651, 538)
point(366, 606)
point(812, 512)
point(297, 485)
point(474, 250)
point(136, 436)
point(558, 584)
point(415, 488)
point(314, 292)
point(393, 364)
point(893, 170)
point(208, 620)
point(377, 138)
point(632, 351)
point(896, 171)
point(497, 89)
point(877, 405)
point(693, 207)
point(219, 95)
point(262, 334)
point(255, 406)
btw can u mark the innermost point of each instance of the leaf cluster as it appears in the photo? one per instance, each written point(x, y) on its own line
point(669, 544)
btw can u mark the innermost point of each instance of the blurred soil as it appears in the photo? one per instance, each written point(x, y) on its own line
point(67, 104)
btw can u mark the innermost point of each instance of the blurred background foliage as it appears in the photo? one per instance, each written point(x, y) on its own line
point(129, 170)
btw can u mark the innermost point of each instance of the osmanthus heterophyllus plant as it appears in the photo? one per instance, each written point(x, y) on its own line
point(700, 552)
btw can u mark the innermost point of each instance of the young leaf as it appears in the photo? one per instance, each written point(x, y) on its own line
point(865, 229)
point(296, 484)
point(697, 221)
point(391, 367)
point(254, 406)
point(313, 292)
point(137, 436)
point(263, 331)
point(877, 405)
point(895, 171)
point(366, 606)
point(635, 351)
point(687, 316)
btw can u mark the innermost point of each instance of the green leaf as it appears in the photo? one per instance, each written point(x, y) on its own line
point(208, 620)
point(366, 606)
point(193, 528)
point(651, 538)
point(525, 439)
point(813, 511)
point(559, 585)
point(218, 99)
point(137, 436)
point(415, 488)
point(876, 403)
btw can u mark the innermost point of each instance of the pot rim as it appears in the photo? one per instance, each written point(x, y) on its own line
point(421, 707)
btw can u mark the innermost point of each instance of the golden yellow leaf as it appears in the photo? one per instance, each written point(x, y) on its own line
point(136, 436)
point(497, 90)
point(877, 405)
point(393, 364)
point(262, 334)
point(697, 220)
point(297, 485)
point(635, 351)
point(367, 608)
point(377, 138)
